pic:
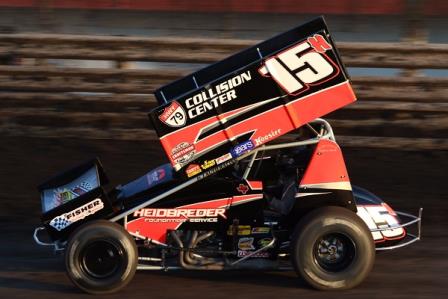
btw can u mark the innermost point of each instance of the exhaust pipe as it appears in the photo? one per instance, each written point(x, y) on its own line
point(184, 253)
point(195, 259)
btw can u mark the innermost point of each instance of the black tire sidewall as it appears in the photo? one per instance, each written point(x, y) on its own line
point(95, 231)
point(325, 221)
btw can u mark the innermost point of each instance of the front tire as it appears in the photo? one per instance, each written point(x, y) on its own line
point(101, 257)
point(332, 249)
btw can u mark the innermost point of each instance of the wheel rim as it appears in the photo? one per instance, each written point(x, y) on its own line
point(334, 252)
point(101, 258)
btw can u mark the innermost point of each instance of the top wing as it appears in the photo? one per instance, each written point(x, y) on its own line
point(216, 114)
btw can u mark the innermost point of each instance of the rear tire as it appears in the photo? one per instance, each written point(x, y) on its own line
point(101, 257)
point(332, 249)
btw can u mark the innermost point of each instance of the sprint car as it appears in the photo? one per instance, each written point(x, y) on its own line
point(254, 180)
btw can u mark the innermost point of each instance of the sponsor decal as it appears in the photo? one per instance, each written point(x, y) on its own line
point(208, 163)
point(261, 230)
point(242, 230)
point(183, 152)
point(246, 243)
point(243, 253)
point(173, 115)
point(64, 195)
point(305, 64)
point(263, 139)
point(181, 215)
point(264, 242)
point(223, 158)
point(192, 170)
point(215, 169)
point(66, 219)
point(328, 148)
point(215, 96)
point(242, 148)
point(155, 176)
point(242, 189)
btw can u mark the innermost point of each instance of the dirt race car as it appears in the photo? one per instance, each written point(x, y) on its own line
point(255, 180)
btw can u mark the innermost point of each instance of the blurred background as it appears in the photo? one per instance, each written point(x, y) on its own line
point(381, 20)
point(76, 81)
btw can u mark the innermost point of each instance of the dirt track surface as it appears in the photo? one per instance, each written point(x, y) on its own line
point(406, 180)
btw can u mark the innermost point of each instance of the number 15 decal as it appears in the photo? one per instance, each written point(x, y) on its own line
point(302, 65)
point(381, 216)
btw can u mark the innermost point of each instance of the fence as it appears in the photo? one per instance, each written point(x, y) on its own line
point(41, 97)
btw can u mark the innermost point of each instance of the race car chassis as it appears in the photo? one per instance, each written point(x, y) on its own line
point(326, 132)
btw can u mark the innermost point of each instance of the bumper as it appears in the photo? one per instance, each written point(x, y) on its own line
point(57, 246)
point(410, 238)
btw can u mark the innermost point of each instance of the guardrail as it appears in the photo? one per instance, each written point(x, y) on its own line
point(43, 95)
